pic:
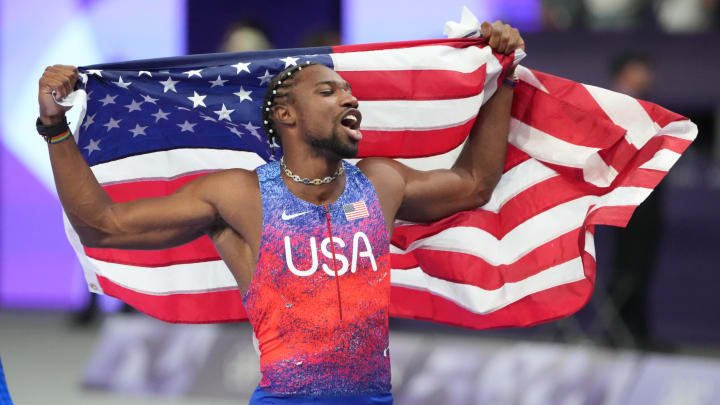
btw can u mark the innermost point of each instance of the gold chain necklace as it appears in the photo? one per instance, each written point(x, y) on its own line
point(311, 182)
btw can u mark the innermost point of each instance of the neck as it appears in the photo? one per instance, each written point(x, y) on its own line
point(313, 168)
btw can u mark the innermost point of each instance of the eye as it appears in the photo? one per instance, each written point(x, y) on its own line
point(327, 92)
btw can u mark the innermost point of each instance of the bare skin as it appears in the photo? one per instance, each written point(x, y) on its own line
point(226, 205)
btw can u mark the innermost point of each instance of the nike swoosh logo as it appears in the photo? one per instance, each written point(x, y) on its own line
point(286, 217)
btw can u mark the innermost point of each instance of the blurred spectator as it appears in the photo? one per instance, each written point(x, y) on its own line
point(683, 16)
point(243, 36)
point(636, 247)
point(562, 15)
point(327, 37)
point(618, 14)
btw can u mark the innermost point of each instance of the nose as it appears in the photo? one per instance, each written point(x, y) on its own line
point(348, 100)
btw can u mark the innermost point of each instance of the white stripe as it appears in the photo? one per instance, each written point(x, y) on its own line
point(180, 278)
point(481, 301)
point(546, 147)
point(662, 160)
point(173, 163)
point(626, 112)
point(527, 236)
point(527, 76)
point(397, 115)
point(590, 243)
point(89, 269)
point(684, 129)
point(431, 57)
point(623, 196)
point(517, 180)
point(597, 172)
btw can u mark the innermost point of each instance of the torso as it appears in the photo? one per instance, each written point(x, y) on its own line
point(297, 355)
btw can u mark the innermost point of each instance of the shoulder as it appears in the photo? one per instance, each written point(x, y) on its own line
point(386, 175)
point(382, 170)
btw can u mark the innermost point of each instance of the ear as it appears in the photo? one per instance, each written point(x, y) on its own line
point(284, 114)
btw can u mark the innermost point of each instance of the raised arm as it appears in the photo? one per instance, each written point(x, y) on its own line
point(150, 223)
point(431, 195)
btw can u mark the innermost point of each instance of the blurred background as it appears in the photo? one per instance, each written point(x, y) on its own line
point(650, 334)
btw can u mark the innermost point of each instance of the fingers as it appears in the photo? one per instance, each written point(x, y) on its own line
point(502, 38)
point(59, 78)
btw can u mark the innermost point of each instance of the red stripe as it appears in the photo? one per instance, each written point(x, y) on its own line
point(415, 84)
point(381, 46)
point(472, 270)
point(557, 115)
point(544, 306)
point(574, 94)
point(412, 144)
point(210, 307)
point(659, 114)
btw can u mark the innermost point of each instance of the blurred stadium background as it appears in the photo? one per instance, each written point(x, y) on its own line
point(650, 335)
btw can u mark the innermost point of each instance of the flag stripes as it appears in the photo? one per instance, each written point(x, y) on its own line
point(578, 156)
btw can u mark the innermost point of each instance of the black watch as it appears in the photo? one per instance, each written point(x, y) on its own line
point(49, 131)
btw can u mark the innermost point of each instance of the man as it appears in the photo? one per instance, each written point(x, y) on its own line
point(321, 322)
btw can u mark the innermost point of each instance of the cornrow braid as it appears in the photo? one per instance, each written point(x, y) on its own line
point(278, 88)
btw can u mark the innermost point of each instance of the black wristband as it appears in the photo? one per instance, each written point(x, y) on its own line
point(49, 131)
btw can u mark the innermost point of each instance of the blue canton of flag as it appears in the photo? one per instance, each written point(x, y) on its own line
point(172, 103)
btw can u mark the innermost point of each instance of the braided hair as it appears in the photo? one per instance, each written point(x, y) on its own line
point(277, 89)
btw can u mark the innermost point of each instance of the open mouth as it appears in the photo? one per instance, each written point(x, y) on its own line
point(351, 119)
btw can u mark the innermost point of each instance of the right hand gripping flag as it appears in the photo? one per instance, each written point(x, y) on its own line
point(579, 156)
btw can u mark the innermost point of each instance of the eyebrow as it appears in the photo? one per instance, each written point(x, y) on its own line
point(334, 83)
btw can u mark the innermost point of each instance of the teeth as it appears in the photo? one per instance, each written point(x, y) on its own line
point(351, 118)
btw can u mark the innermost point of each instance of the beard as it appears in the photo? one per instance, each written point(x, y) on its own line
point(333, 147)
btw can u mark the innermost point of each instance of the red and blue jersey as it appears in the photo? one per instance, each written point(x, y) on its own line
point(318, 334)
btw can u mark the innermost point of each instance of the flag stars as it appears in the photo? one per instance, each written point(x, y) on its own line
point(134, 106)
point(253, 130)
point(108, 100)
point(169, 84)
point(241, 67)
point(113, 123)
point(265, 78)
point(197, 99)
point(96, 72)
point(122, 84)
point(144, 72)
point(92, 146)
point(290, 61)
point(243, 94)
point(160, 115)
point(148, 99)
point(217, 82)
point(83, 77)
point(187, 126)
point(191, 73)
point(235, 131)
point(138, 130)
point(208, 118)
point(89, 120)
point(224, 113)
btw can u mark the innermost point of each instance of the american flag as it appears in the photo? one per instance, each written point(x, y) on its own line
point(355, 210)
point(578, 156)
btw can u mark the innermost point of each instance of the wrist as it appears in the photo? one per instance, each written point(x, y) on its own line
point(52, 120)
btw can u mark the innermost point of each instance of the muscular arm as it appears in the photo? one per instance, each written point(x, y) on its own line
point(151, 223)
point(431, 195)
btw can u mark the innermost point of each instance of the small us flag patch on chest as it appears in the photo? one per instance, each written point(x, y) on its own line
point(355, 210)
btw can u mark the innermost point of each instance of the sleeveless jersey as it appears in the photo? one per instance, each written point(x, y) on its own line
point(294, 301)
